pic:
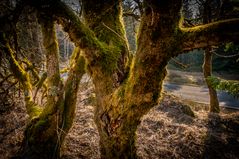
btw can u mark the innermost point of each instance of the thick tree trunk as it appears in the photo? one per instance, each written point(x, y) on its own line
point(116, 133)
point(207, 70)
point(120, 108)
point(117, 136)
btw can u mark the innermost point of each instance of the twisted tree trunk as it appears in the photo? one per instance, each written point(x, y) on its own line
point(120, 107)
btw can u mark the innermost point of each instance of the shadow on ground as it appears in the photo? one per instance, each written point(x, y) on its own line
point(221, 141)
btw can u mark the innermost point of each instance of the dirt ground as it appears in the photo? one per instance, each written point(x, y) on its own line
point(165, 132)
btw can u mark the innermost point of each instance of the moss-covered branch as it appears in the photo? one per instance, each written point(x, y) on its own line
point(21, 75)
point(96, 51)
point(54, 82)
point(71, 88)
point(33, 110)
point(210, 34)
point(79, 33)
point(51, 50)
point(40, 83)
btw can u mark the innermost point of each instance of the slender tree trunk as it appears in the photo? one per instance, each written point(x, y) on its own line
point(207, 66)
point(207, 70)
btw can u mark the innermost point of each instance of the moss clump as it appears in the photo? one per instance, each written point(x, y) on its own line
point(33, 110)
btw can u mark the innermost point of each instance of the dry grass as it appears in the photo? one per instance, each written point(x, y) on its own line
point(165, 132)
point(12, 125)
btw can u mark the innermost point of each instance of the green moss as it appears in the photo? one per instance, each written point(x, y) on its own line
point(33, 110)
point(207, 30)
point(121, 92)
point(71, 88)
point(108, 58)
point(40, 83)
point(19, 73)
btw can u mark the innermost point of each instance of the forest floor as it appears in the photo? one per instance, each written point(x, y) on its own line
point(165, 132)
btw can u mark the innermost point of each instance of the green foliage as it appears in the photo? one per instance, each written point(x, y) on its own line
point(230, 86)
point(231, 47)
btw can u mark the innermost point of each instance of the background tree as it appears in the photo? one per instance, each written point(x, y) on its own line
point(207, 65)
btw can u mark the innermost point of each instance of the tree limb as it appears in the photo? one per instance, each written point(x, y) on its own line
point(79, 33)
point(40, 83)
point(22, 76)
point(210, 34)
point(71, 88)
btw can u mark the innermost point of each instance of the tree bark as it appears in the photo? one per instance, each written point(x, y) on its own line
point(119, 111)
point(42, 139)
point(207, 71)
point(207, 66)
point(120, 106)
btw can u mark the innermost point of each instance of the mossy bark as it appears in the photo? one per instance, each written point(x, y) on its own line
point(45, 134)
point(22, 76)
point(104, 18)
point(123, 95)
point(120, 108)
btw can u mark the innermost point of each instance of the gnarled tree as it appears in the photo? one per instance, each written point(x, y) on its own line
point(126, 88)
